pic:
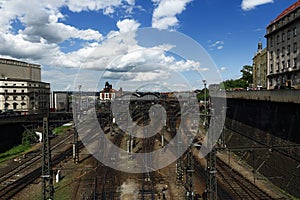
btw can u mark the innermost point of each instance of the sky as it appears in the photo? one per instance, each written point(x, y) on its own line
point(135, 44)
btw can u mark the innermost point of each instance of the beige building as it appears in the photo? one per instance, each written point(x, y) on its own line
point(21, 88)
point(283, 41)
point(260, 67)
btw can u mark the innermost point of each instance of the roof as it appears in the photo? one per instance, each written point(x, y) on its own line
point(17, 62)
point(287, 11)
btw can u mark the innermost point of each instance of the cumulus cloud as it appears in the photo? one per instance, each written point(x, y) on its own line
point(122, 58)
point(251, 4)
point(95, 5)
point(127, 25)
point(164, 15)
point(42, 31)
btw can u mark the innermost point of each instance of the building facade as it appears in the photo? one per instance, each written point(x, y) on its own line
point(21, 89)
point(283, 41)
point(260, 67)
point(107, 93)
point(61, 101)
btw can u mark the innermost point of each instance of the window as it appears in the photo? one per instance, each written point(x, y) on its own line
point(277, 52)
point(288, 63)
point(295, 63)
point(271, 41)
point(14, 84)
point(5, 83)
point(288, 34)
point(282, 65)
point(271, 55)
point(283, 52)
point(22, 84)
point(6, 91)
point(22, 91)
point(14, 91)
point(15, 97)
point(283, 37)
point(295, 47)
point(278, 39)
point(288, 49)
point(295, 31)
point(277, 67)
point(270, 81)
point(23, 97)
point(271, 68)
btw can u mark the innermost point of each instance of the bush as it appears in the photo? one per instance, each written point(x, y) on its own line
point(29, 137)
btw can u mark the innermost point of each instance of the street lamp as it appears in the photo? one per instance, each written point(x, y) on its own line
point(289, 77)
point(79, 88)
point(5, 100)
point(204, 82)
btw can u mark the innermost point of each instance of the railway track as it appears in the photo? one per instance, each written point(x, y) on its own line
point(109, 178)
point(237, 185)
point(31, 169)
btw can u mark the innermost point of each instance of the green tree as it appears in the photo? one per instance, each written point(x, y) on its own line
point(247, 72)
point(200, 95)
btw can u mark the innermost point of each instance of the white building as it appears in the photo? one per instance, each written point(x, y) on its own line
point(21, 88)
point(108, 93)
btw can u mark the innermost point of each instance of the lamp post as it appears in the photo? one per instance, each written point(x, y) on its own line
point(289, 77)
point(5, 100)
point(204, 82)
point(79, 89)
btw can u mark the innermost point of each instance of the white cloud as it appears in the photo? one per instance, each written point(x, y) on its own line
point(96, 5)
point(41, 34)
point(217, 44)
point(222, 69)
point(127, 25)
point(164, 15)
point(251, 4)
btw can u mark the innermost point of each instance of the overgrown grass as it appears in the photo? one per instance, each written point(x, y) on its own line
point(14, 152)
point(61, 129)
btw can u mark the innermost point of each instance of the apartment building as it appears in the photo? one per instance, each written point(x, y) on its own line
point(283, 41)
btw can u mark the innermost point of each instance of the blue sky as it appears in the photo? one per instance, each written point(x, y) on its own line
point(63, 36)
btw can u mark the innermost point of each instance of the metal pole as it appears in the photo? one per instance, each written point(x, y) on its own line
point(204, 82)
point(48, 190)
point(211, 169)
point(75, 135)
point(205, 108)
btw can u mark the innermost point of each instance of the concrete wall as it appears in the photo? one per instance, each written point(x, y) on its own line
point(288, 96)
point(277, 118)
point(279, 166)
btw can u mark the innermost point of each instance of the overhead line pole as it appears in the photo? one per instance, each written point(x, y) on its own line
point(47, 173)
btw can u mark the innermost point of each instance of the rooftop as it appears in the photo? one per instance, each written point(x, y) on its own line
point(17, 62)
point(287, 11)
